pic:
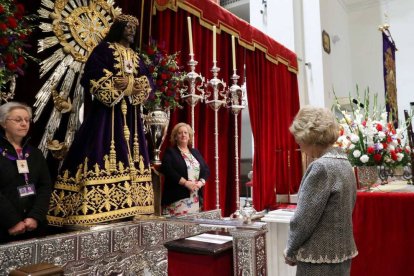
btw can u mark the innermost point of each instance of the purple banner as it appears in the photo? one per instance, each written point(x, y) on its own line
point(390, 76)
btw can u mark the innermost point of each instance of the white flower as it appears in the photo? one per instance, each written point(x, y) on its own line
point(356, 153)
point(364, 158)
point(399, 134)
point(354, 138)
point(384, 116)
point(400, 156)
point(352, 146)
point(381, 135)
point(390, 147)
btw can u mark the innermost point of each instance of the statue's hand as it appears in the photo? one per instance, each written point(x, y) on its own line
point(121, 83)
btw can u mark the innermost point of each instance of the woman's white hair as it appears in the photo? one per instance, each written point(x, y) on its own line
point(6, 108)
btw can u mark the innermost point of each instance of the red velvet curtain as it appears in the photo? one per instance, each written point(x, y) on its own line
point(170, 29)
point(273, 102)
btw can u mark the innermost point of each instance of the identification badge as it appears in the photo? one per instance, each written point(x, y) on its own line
point(22, 166)
point(26, 190)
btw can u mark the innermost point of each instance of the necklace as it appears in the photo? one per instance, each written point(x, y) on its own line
point(186, 150)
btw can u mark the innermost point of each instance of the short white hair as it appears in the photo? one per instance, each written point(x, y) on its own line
point(6, 108)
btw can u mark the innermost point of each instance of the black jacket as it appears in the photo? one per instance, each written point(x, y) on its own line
point(14, 209)
point(174, 167)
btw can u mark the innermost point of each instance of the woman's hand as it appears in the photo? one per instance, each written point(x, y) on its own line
point(289, 262)
point(19, 228)
point(31, 224)
point(199, 184)
point(191, 185)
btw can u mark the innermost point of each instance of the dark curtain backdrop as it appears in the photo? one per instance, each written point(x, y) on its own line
point(271, 85)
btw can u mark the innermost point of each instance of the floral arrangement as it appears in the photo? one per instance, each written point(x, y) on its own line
point(368, 138)
point(166, 75)
point(14, 31)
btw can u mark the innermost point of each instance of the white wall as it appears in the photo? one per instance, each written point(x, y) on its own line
point(337, 69)
point(275, 20)
point(312, 54)
point(366, 45)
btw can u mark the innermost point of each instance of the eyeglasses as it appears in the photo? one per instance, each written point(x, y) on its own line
point(20, 120)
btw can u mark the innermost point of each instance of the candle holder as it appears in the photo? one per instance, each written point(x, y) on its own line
point(215, 89)
point(193, 92)
point(236, 102)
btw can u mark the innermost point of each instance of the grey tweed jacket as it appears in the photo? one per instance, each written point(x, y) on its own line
point(321, 228)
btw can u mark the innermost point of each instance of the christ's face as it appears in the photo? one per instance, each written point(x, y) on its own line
point(129, 32)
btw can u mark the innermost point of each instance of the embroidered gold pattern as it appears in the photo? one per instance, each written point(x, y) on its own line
point(104, 90)
point(99, 195)
point(142, 89)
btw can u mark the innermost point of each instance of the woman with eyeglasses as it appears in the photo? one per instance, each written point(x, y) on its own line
point(25, 184)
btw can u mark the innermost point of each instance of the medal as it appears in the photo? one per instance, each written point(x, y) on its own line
point(22, 166)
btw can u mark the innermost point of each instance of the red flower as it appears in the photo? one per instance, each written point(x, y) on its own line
point(1, 9)
point(18, 16)
point(8, 58)
point(22, 36)
point(3, 27)
point(12, 22)
point(20, 61)
point(20, 8)
point(370, 150)
point(379, 127)
point(11, 66)
point(384, 145)
point(393, 155)
point(377, 157)
point(4, 41)
point(164, 76)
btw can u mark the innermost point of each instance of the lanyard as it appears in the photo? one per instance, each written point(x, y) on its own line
point(22, 156)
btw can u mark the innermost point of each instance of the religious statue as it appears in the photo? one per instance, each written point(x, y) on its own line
point(106, 174)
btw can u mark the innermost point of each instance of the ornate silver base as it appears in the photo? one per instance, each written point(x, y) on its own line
point(134, 248)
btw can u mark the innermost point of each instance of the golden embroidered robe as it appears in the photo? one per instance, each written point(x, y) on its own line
point(106, 174)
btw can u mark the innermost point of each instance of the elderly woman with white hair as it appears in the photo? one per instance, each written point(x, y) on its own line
point(25, 184)
point(321, 240)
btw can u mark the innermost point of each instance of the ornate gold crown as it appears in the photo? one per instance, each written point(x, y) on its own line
point(127, 18)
